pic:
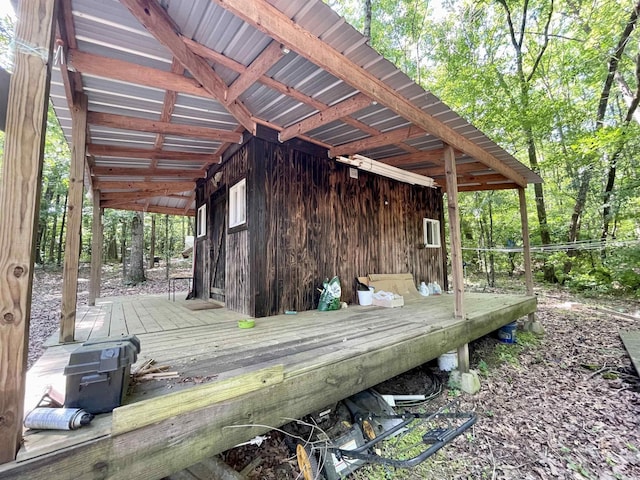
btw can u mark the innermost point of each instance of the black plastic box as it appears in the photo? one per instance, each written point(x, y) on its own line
point(98, 373)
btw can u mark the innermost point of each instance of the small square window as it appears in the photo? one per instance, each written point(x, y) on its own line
point(238, 204)
point(201, 224)
point(431, 233)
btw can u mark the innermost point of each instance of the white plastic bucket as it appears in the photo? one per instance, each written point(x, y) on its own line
point(448, 361)
point(365, 297)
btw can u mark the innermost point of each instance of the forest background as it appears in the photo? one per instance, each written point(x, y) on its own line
point(554, 82)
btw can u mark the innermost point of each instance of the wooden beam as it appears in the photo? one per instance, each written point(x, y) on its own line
point(454, 231)
point(156, 126)
point(96, 249)
point(105, 67)
point(488, 178)
point(125, 152)
point(328, 115)
point(154, 18)
point(438, 171)
point(127, 196)
point(382, 140)
point(74, 221)
point(488, 186)
point(268, 19)
point(135, 207)
point(168, 186)
point(140, 414)
point(72, 81)
point(257, 69)
point(526, 246)
point(21, 182)
point(143, 172)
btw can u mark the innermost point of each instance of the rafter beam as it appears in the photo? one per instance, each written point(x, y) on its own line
point(328, 115)
point(257, 69)
point(165, 186)
point(487, 186)
point(438, 171)
point(109, 151)
point(153, 126)
point(384, 139)
point(157, 22)
point(271, 21)
point(148, 172)
point(128, 196)
point(152, 209)
point(105, 67)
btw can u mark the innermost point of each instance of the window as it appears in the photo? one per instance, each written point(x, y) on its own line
point(238, 203)
point(201, 225)
point(431, 233)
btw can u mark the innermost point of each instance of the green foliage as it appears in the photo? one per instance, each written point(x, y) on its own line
point(548, 90)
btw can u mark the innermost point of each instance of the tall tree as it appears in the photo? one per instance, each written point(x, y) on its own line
point(136, 268)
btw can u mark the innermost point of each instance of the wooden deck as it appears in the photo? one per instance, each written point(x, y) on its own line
point(285, 367)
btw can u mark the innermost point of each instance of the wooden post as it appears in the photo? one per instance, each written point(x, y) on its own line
point(526, 248)
point(19, 200)
point(456, 248)
point(96, 249)
point(74, 222)
point(454, 230)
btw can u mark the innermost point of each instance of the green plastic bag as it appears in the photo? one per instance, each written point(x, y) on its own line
point(330, 296)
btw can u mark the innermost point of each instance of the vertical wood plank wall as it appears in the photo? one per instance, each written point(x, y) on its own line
point(307, 220)
point(320, 223)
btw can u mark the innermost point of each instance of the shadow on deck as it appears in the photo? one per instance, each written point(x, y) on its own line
point(285, 367)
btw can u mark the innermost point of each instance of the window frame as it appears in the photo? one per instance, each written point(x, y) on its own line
point(237, 205)
point(433, 226)
point(201, 221)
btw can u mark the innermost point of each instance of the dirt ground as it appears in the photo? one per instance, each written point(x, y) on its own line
point(565, 405)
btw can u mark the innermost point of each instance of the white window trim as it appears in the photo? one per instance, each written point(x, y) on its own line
point(201, 222)
point(238, 204)
point(431, 230)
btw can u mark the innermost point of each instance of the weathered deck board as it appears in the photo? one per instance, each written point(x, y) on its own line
point(326, 356)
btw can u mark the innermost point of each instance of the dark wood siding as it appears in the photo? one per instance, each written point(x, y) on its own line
point(307, 220)
point(319, 222)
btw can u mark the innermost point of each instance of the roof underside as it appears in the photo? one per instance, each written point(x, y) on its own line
point(167, 98)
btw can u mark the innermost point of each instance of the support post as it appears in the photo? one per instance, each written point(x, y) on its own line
point(96, 249)
point(74, 222)
point(454, 230)
point(531, 323)
point(526, 246)
point(456, 248)
point(19, 204)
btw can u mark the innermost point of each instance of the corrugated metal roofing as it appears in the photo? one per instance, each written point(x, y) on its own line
point(106, 28)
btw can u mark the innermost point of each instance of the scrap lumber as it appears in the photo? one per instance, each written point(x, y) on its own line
point(136, 415)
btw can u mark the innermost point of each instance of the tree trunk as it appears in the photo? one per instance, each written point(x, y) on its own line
point(367, 19)
point(54, 227)
point(166, 245)
point(152, 242)
point(64, 219)
point(136, 266)
point(42, 225)
point(123, 248)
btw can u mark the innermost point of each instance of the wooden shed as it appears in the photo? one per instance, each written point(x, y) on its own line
point(264, 120)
